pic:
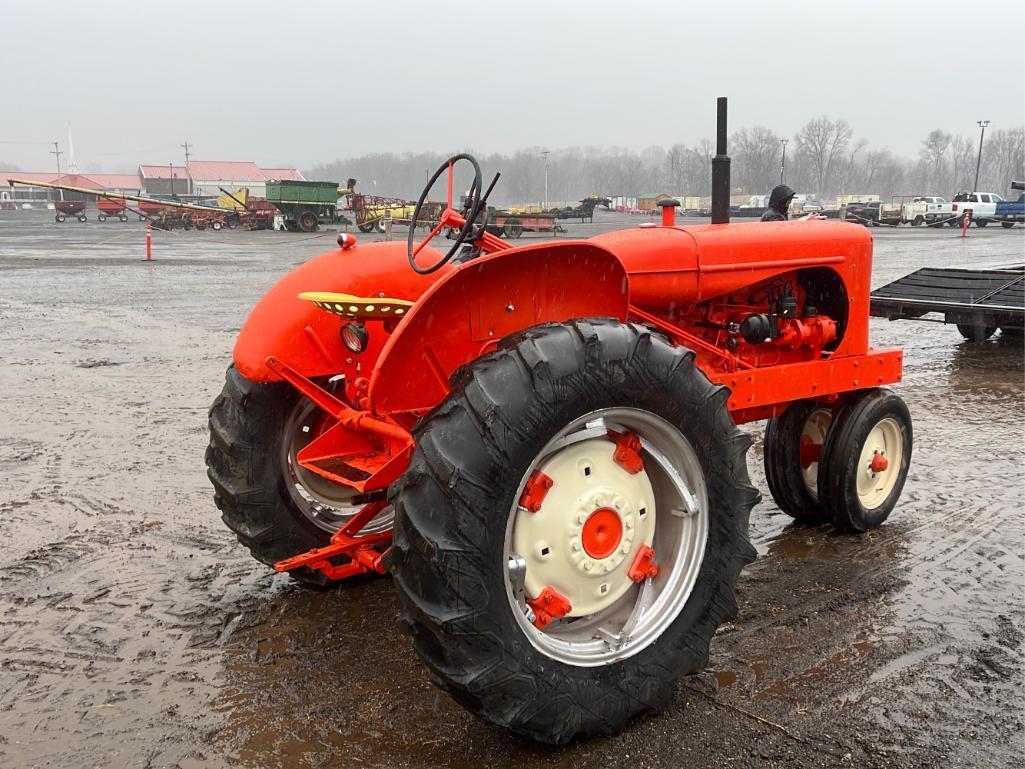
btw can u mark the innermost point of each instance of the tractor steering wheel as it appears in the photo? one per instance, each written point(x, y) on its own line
point(449, 217)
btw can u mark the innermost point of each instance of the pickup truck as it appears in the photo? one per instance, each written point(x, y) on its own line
point(1008, 213)
point(925, 209)
point(982, 205)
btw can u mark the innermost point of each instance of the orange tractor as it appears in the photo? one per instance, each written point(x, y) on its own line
point(541, 443)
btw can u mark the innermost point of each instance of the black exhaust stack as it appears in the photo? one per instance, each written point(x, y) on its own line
point(720, 168)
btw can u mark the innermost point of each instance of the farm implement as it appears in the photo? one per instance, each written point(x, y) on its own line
point(540, 443)
point(66, 208)
point(163, 213)
point(111, 207)
point(373, 211)
point(585, 211)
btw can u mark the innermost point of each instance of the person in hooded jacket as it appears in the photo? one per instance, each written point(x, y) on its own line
point(779, 204)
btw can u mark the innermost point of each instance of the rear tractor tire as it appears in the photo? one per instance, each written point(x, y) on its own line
point(276, 507)
point(865, 460)
point(793, 446)
point(549, 621)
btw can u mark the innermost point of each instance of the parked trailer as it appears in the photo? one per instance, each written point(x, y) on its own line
point(306, 205)
point(977, 301)
point(512, 225)
point(149, 210)
point(66, 208)
point(111, 207)
point(170, 210)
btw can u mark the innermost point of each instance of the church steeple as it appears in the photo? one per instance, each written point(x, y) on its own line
point(72, 165)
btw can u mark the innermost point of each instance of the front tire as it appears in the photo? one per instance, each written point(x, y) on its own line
point(865, 460)
point(458, 500)
point(793, 442)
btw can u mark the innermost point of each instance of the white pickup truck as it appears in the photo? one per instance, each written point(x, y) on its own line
point(982, 205)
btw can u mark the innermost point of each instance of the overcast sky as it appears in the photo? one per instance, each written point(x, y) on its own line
point(290, 83)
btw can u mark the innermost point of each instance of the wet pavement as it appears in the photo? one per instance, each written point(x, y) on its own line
point(135, 632)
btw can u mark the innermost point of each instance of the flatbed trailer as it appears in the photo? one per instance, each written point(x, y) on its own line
point(512, 225)
point(977, 301)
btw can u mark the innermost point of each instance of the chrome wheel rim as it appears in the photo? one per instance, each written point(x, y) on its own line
point(642, 613)
point(326, 505)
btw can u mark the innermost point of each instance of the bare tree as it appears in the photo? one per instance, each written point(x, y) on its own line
point(1003, 159)
point(822, 144)
point(756, 153)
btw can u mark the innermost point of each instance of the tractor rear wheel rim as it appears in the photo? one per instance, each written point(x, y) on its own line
point(879, 464)
point(326, 505)
point(681, 522)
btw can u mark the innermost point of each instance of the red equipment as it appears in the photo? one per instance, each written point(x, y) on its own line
point(541, 445)
point(112, 206)
point(66, 208)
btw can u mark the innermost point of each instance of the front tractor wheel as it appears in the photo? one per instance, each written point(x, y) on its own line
point(570, 529)
point(865, 460)
point(793, 445)
point(276, 507)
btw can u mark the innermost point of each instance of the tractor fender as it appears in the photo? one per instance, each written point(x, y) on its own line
point(305, 337)
point(466, 314)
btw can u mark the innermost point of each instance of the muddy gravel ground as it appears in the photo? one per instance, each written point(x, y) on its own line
point(135, 632)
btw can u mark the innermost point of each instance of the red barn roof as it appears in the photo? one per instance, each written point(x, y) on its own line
point(283, 174)
point(225, 170)
point(89, 181)
point(29, 176)
point(163, 172)
point(117, 181)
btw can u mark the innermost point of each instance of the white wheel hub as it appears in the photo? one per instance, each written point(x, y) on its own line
point(593, 520)
point(880, 462)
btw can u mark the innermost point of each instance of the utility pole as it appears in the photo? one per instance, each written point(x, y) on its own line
point(170, 173)
point(978, 163)
point(186, 146)
point(545, 154)
point(56, 152)
point(782, 160)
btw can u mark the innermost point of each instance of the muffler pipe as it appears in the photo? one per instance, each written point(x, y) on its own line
point(720, 168)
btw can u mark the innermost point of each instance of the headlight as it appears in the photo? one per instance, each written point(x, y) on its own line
point(355, 337)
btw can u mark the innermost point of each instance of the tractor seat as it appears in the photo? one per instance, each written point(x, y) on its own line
point(348, 306)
